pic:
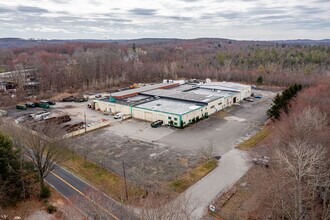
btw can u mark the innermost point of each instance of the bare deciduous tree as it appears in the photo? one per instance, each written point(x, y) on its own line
point(206, 152)
point(44, 147)
point(70, 211)
point(96, 206)
point(298, 181)
point(45, 152)
point(86, 151)
point(304, 167)
point(167, 206)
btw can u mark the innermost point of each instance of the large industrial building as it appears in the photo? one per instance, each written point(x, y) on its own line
point(176, 104)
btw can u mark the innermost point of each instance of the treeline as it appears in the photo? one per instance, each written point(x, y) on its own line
point(17, 176)
point(85, 66)
point(297, 186)
point(281, 101)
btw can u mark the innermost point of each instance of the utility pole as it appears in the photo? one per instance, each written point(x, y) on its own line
point(126, 193)
point(85, 122)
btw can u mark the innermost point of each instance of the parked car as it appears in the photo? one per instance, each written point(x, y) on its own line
point(48, 102)
point(217, 157)
point(21, 107)
point(156, 124)
point(42, 104)
point(80, 99)
point(30, 105)
point(264, 161)
point(248, 99)
point(98, 96)
point(118, 115)
point(68, 99)
point(40, 115)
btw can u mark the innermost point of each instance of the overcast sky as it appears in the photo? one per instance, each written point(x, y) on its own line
point(127, 19)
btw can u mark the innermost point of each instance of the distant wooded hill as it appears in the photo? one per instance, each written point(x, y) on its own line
point(19, 42)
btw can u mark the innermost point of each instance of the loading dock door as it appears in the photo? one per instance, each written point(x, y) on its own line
point(148, 116)
point(137, 114)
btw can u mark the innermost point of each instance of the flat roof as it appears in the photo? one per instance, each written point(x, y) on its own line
point(219, 93)
point(225, 86)
point(184, 87)
point(135, 100)
point(170, 106)
point(131, 100)
point(131, 92)
point(184, 96)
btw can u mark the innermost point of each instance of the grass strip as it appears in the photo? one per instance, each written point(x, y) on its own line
point(101, 178)
point(183, 182)
point(254, 140)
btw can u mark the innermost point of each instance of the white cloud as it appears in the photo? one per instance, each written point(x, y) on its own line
point(238, 19)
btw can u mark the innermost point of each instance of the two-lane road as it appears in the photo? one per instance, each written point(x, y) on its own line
point(88, 199)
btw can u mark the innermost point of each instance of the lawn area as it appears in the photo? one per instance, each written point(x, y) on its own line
point(101, 178)
point(254, 140)
point(192, 176)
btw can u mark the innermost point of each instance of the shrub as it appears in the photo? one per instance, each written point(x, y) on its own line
point(45, 192)
point(260, 80)
point(51, 209)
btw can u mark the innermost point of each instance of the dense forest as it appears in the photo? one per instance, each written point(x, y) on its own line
point(97, 65)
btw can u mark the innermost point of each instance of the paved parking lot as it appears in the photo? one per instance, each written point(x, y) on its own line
point(163, 151)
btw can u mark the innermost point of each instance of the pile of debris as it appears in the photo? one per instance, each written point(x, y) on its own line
point(74, 127)
point(58, 120)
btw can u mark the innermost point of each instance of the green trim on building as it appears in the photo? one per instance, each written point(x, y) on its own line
point(169, 113)
point(194, 110)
